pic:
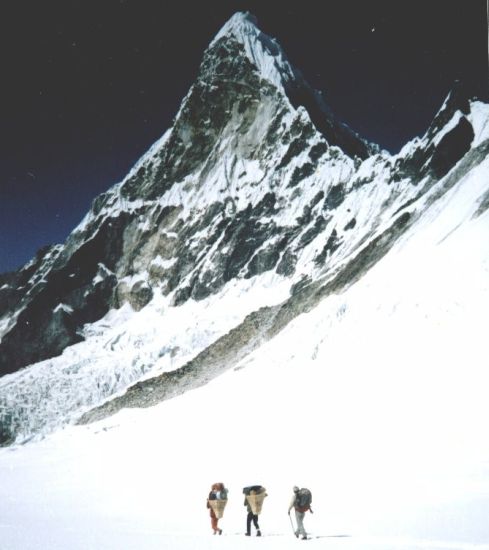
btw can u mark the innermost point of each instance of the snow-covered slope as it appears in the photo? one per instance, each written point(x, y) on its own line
point(375, 399)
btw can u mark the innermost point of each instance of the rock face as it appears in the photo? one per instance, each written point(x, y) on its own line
point(255, 177)
point(446, 141)
point(260, 325)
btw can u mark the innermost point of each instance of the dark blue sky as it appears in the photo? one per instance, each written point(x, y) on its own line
point(88, 85)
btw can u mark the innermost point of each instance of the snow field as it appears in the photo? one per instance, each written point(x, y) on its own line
point(376, 400)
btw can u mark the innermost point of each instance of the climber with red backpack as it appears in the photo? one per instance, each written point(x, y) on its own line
point(301, 502)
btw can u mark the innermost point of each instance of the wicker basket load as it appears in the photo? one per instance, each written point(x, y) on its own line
point(256, 501)
point(218, 507)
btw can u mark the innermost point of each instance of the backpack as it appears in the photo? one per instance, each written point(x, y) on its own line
point(304, 499)
point(221, 491)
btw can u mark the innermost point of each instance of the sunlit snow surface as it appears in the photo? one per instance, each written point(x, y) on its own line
point(376, 400)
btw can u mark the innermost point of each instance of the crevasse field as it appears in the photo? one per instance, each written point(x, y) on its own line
point(376, 401)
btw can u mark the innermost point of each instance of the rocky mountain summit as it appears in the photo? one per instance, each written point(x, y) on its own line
point(255, 186)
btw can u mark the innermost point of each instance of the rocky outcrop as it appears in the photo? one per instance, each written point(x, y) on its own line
point(72, 290)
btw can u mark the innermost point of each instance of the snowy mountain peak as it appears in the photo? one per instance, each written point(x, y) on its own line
point(256, 202)
point(263, 51)
point(455, 106)
point(239, 24)
point(241, 36)
point(457, 99)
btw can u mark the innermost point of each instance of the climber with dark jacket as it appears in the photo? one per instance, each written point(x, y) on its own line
point(254, 496)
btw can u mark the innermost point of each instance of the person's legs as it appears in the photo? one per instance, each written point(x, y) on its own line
point(214, 521)
point(299, 517)
point(249, 517)
point(257, 527)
